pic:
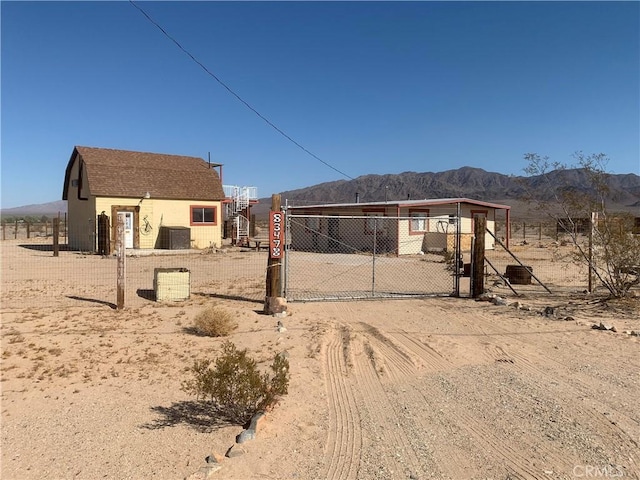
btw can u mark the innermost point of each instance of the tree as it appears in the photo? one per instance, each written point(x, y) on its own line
point(613, 254)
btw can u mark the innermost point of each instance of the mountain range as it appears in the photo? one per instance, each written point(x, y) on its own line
point(465, 182)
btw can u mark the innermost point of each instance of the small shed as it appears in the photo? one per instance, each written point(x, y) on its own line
point(157, 193)
point(420, 225)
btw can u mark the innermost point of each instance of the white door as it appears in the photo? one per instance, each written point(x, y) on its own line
point(128, 229)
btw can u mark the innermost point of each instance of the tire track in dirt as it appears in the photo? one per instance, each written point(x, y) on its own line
point(571, 392)
point(465, 434)
point(403, 352)
point(426, 424)
point(344, 442)
point(386, 438)
point(518, 463)
point(566, 388)
point(432, 359)
point(479, 443)
point(387, 356)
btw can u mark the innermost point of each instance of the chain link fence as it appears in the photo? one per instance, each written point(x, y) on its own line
point(548, 255)
point(33, 276)
point(361, 257)
point(328, 258)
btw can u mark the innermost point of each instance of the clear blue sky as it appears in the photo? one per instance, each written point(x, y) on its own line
point(368, 87)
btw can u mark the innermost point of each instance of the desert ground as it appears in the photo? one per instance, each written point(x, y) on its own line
point(438, 388)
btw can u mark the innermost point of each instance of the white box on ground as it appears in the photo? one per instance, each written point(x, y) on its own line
point(171, 284)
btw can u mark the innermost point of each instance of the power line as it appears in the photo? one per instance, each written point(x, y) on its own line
point(246, 104)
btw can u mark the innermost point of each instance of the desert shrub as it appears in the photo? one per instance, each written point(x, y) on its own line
point(234, 386)
point(214, 322)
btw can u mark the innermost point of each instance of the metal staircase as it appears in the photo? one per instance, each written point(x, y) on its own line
point(240, 198)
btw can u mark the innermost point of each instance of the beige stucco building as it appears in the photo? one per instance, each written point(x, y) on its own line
point(168, 201)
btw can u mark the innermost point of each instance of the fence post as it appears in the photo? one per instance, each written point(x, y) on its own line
point(121, 255)
point(56, 239)
point(592, 221)
point(273, 302)
point(477, 280)
point(15, 231)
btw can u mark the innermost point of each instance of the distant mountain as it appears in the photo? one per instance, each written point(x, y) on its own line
point(50, 209)
point(467, 182)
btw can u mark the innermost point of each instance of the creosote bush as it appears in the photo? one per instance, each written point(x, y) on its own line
point(234, 386)
point(214, 322)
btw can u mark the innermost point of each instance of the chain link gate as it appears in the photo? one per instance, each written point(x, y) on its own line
point(365, 257)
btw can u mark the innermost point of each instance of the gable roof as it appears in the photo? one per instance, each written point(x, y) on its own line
point(124, 173)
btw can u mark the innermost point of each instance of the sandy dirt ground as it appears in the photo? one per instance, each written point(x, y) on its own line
point(440, 388)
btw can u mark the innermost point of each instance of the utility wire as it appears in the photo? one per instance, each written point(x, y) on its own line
point(246, 104)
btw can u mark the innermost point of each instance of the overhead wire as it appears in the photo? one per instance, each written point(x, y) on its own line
point(232, 92)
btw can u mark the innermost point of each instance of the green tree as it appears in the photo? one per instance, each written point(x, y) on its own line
point(613, 255)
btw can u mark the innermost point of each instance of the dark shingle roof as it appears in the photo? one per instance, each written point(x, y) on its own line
point(124, 173)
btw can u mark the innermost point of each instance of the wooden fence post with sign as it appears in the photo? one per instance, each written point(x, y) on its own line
point(273, 302)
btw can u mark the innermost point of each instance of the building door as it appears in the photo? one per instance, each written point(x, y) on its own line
point(128, 229)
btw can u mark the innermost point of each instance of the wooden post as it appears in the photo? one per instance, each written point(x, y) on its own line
point(592, 221)
point(28, 230)
point(477, 280)
point(121, 255)
point(276, 258)
point(15, 231)
point(56, 238)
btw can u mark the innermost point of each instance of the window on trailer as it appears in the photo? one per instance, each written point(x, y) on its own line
point(418, 223)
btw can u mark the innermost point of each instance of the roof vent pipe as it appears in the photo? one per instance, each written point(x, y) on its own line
point(357, 197)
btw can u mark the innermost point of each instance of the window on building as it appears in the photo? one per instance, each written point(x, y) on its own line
point(203, 215)
point(374, 223)
point(419, 221)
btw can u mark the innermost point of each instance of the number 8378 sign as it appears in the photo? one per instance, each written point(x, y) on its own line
point(276, 234)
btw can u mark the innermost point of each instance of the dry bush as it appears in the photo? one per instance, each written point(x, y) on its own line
point(214, 322)
point(234, 387)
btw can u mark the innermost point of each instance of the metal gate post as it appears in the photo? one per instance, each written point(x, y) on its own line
point(373, 264)
point(457, 250)
point(287, 241)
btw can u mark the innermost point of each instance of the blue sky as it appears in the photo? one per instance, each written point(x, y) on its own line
point(368, 87)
